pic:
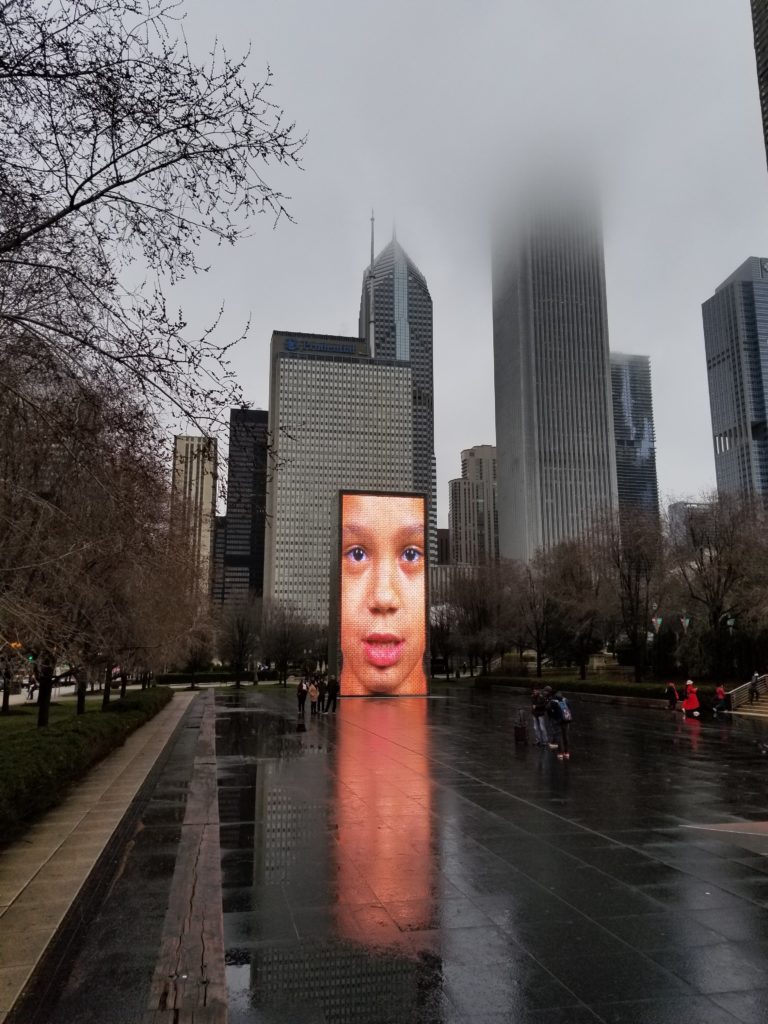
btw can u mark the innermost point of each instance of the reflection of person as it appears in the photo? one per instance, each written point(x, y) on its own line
point(383, 596)
point(672, 696)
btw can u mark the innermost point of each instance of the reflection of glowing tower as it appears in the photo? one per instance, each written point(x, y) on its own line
point(329, 851)
point(396, 290)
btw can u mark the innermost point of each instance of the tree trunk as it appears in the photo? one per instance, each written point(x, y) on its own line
point(539, 657)
point(7, 689)
point(81, 687)
point(582, 669)
point(44, 697)
point(123, 684)
point(107, 687)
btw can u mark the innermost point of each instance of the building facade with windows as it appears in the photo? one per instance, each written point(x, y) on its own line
point(554, 429)
point(399, 327)
point(472, 514)
point(338, 420)
point(736, 344)
point(243, 565)
point(193, 501)
point(634, 434)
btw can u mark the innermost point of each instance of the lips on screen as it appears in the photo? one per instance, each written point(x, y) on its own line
point(383, 594)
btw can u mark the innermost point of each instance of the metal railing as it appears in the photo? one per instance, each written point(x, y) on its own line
point(740, 695)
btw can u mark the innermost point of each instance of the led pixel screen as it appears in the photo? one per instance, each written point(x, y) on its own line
point(383, 627)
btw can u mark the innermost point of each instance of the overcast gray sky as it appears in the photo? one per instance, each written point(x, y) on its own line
point(418, 108)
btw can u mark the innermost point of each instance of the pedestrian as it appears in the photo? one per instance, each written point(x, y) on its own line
point(333, 694)
point(672, 696)
point(314, 693)
point(559, 711)
point(691, 703)
point(322, 689)
point(301, 694)
point(539, 716)
point(721, 701)
point(754, 688)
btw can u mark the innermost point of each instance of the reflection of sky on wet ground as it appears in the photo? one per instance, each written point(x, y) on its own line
point(403, 861)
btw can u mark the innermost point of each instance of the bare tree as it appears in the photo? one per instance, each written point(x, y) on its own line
point(239, 636)
point(284, 635)
point(577, 585)
point(720, 559)
point(635, 556)
point(117, 146)
point(535, 607)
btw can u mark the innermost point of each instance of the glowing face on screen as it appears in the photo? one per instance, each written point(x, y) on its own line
point(383, 596)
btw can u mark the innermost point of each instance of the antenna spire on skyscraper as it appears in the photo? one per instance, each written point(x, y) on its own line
point(371, 319)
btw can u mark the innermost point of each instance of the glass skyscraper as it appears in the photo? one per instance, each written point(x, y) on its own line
point(736, 343)
point(402, 329)
point(556, 463)
point(246, 505)
point(634, 433)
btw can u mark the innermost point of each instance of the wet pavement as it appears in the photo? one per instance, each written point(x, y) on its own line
point(404, 861)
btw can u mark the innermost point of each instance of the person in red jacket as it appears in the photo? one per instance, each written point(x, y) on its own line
point(691, 702)
point(721, 701)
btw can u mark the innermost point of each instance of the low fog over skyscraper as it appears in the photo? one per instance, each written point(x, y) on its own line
point(399, 326)
point(735, 332)
point(554, 432)
point(634, 433)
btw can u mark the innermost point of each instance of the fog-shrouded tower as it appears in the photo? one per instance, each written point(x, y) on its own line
point(556, 463)
point(396, 321)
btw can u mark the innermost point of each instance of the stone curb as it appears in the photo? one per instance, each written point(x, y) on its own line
point(43, 873)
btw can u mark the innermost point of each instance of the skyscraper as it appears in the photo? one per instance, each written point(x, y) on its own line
point(337, 420)
point(246, 504)
point(399, 326)
point(760, 30)
point(217, 572)
point(735, 335)
point(634, 433)
point(472, 515)
point(193, 501)
point(554, 431)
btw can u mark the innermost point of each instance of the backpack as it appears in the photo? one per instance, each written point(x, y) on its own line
point(565, 711)
point(554, 710)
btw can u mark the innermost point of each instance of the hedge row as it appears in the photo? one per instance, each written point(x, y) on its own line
point(607, 687)
point(37, 766)
point(167, 678)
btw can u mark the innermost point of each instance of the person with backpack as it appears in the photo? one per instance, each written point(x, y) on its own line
point(539, 699)
point(301, 695)
point(754, 688)
point(672, 696)
point(559, 711)
point(721, 699)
